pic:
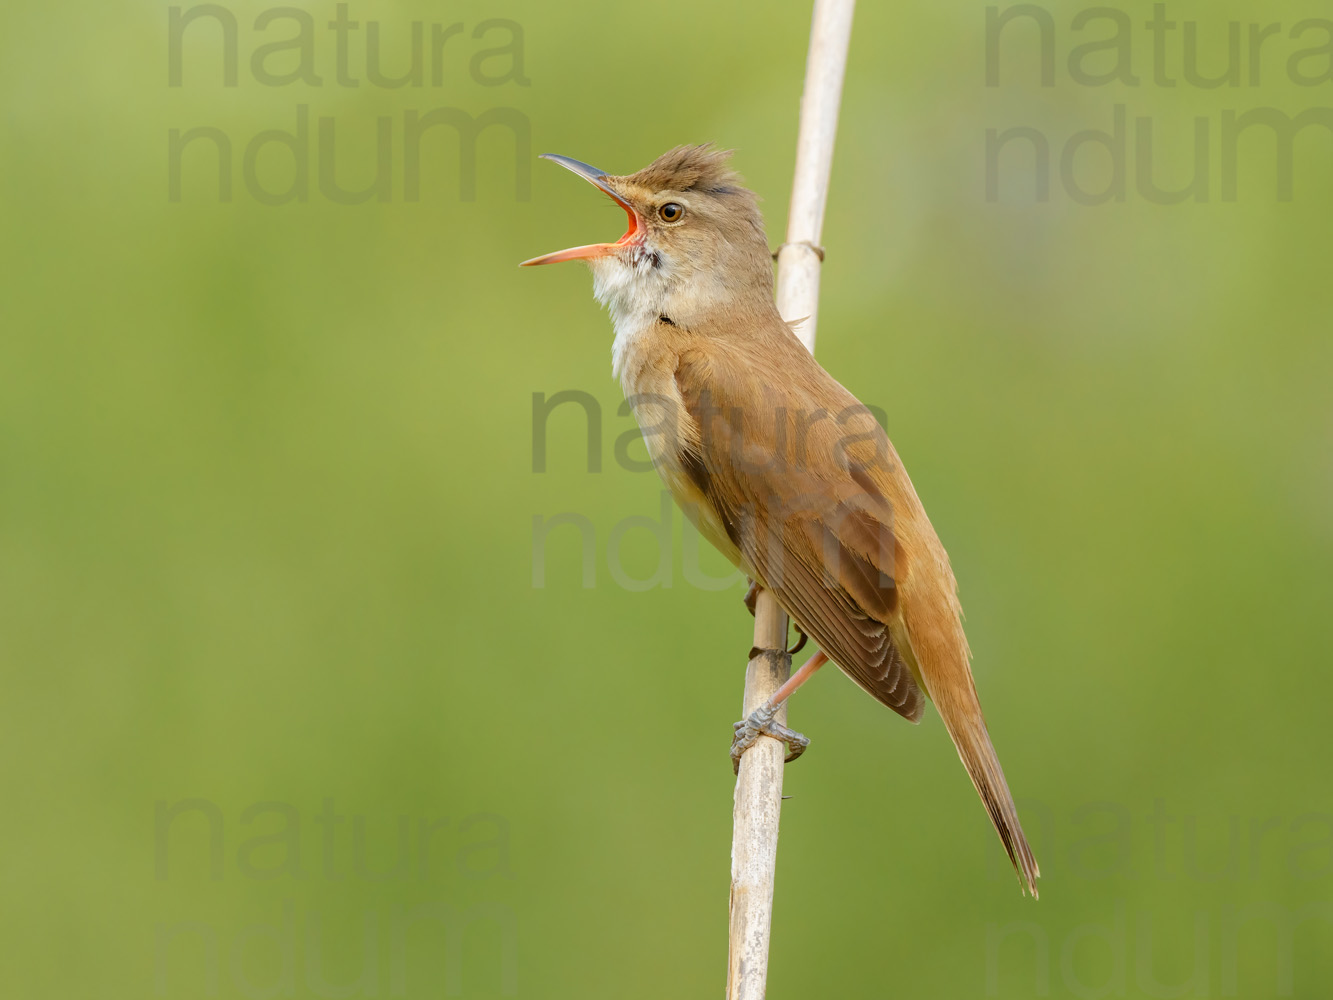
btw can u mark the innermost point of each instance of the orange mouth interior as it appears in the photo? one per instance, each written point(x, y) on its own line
point(594, 250)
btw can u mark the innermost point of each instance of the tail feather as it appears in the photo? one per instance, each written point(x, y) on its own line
point(930, 635)
point(983, 767)
point(937, 655)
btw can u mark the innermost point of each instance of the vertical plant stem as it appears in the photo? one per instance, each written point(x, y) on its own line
point(758, 802)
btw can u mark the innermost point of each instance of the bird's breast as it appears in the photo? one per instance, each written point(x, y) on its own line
point(670, 434)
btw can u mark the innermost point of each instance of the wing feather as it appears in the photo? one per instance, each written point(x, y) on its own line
point(817, 509)
point(822, 544)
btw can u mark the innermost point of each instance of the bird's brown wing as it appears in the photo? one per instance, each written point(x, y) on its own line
point(809, 522)
point(818, 507)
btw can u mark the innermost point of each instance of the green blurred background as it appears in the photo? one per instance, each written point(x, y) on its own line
point(269, 491)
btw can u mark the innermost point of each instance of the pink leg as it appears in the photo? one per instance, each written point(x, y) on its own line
point(797, 679)
point(760, 721)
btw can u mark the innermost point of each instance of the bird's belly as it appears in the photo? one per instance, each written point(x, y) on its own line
point(667, 425)
point(690, 499)
point(662, 437)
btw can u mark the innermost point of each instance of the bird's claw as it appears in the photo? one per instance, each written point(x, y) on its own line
point(760, 722)
point(800, 643)
point(751, 595)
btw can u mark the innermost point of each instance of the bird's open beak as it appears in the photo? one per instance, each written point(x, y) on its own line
point(598, 179)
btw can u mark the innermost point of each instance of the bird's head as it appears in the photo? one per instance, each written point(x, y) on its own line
point(695, 238)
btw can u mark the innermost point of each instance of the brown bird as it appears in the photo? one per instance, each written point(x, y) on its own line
point(778, 465)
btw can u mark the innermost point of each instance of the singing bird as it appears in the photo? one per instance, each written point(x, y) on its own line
point(779, 466)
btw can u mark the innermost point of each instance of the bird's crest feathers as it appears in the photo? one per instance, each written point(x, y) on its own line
point(702, 168)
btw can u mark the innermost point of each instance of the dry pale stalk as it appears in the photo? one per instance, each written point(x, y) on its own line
point(758, 803)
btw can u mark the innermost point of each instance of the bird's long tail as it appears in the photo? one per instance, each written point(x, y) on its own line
point(967, 728)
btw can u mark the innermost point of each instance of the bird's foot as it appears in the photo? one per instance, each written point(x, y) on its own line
point(760, 723)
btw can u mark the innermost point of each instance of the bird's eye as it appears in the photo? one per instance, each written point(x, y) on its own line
point(671, 212)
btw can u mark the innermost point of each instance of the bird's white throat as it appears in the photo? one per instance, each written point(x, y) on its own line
point(635, 289)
